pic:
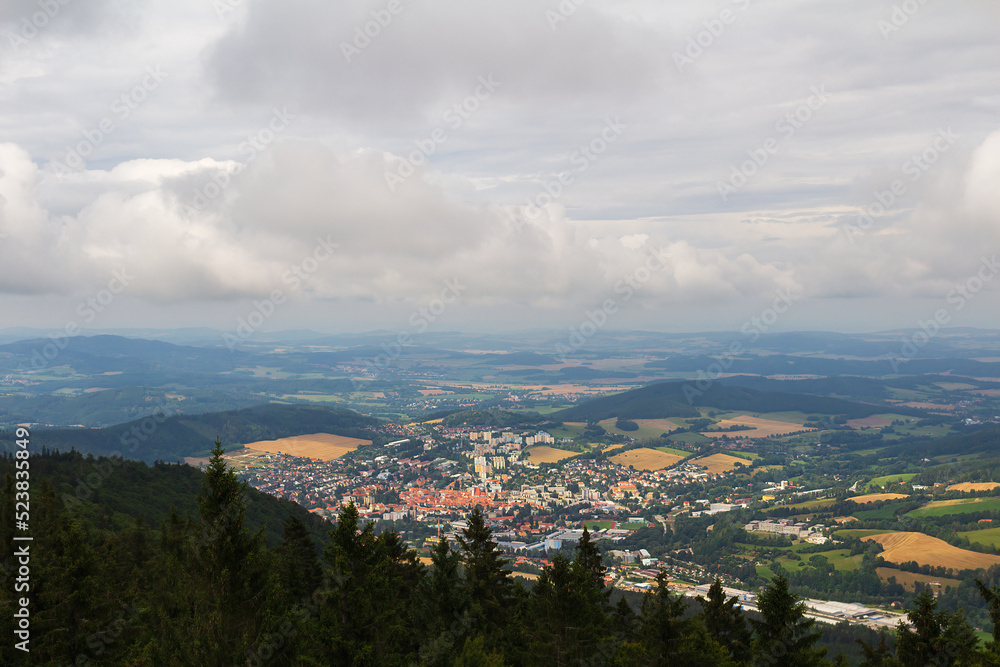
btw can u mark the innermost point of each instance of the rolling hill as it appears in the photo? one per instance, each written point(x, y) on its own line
point(670, 399)
point(175, 437)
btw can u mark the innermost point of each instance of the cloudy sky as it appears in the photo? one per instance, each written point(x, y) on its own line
point(339, 165)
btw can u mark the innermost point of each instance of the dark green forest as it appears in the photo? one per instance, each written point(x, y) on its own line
point(166, 437)
point(675, 399)
point(200, 583)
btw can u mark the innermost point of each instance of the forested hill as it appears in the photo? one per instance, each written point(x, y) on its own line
point(171, 438)
point(111, 494)
point(677, 399)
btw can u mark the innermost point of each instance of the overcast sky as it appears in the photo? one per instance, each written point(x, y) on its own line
point(681, 166)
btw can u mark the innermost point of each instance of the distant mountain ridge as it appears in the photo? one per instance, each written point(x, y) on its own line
point(678, 399)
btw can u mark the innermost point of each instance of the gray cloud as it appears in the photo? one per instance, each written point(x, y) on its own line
point(140, 200)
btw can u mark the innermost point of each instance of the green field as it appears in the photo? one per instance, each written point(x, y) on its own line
point(791, 417)
point(809, 504)
point(885, 479)
point(987, 505)
point(598, 525)
point(990, 536)
point(566, 431)
point(932, 431)
point(765, 572)
point(841, 559)
point(690, 438)
point(887, 511)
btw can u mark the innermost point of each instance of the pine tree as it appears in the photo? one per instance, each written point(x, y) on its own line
point(936, 637)
point(724, 620)
point(783, 635)
point(368, 617)
point(668, 638)
point(487, 583)
point(233, 567)
point(299, 569)
point(445, 585)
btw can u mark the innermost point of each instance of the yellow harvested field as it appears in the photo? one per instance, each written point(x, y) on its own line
point(546, 454)
point(762, 428)
point(664, 425)
point(907, 579)
point(951, 503)
point(974, 486)
point(927, 550)
point(872, 497)
point(646, 459)
point(844, 519)
point(323, 446)
point(720, 463)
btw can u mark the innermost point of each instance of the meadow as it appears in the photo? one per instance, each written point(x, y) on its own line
point(959, 506)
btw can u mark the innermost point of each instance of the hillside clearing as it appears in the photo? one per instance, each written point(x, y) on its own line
point(646, 459)
point(720, 463)
point(324, 446)
point(760, 428)
point(546, 454)
point(874, 497)
point(974, 486)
